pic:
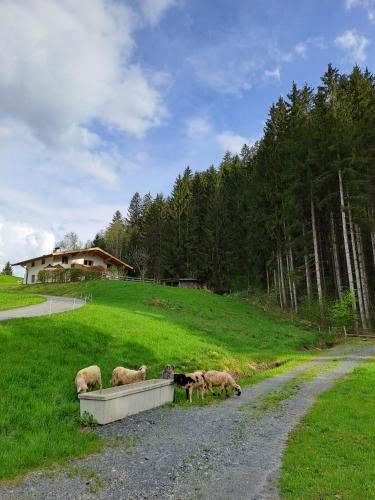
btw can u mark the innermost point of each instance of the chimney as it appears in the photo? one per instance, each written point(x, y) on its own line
point(57, 250)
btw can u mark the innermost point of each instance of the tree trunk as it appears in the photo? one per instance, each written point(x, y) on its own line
point(277, 285)
point(291, 264)
point(268, 283)
point(346, 245)
point(356, 270)
point(373, 246)
point(282, 282)
point(316, 252)
point(336, 258)
point(307, 269)
point(363, 274)
point(289, 280)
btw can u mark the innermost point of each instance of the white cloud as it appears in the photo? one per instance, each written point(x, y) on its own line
point(273, 73)
point(354, 44)
point(201, 132)
point(302, 48)
point(233, 62)
point(153, 10)
point(368, 5)
point(198, 126)
point(229, 141)
point(20, 241)
point(70, 63)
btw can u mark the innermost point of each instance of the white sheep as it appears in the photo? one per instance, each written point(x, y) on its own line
point(214, 378)
point(123, 376)
point(88, 377)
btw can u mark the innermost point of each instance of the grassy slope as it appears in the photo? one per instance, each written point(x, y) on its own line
point(332, 453)
point(10, 296)
point(127, 324)
point(10, 300)
point(9, 280)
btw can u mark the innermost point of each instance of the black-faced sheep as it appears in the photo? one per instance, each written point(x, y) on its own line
point(191, 381)
point(215, 378)
point(123, 376)
point(88, 378)
point(168, 372)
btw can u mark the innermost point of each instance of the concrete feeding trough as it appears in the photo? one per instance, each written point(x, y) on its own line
point(119, 402)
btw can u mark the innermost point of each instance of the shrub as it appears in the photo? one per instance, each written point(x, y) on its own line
point(87, 420)
point(341, 313)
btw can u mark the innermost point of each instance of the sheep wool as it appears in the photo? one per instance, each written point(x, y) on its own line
point(215, 378)
point(123, 376)
point(88, 378)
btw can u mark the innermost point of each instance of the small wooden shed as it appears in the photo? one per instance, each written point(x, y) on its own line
point(183, 282)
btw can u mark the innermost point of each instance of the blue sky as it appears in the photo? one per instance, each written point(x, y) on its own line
point(103, 98)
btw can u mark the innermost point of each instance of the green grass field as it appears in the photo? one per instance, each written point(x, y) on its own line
point(9, 280)
point(126, 324)
point(331, 454)
point(12, 296)
point(10, 300)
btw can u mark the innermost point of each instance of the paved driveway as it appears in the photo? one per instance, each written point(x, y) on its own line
point(51, 306)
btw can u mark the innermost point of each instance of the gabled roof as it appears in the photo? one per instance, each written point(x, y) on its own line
point(94, 250)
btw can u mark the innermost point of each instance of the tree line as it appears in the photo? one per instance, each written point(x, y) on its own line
point(292, 215)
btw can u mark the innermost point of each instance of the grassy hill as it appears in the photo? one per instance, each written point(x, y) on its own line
point(6, 280)
point(11, 295)
point(126, 324)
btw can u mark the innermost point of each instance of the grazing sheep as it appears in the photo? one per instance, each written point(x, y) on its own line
point(88, 377)
point(168, 372)
point(123, 376)
point(215, 378)
point(191, 381)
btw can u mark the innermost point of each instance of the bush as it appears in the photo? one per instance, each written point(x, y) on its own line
point(341, 314)
point(87, 420)
point(71, 274)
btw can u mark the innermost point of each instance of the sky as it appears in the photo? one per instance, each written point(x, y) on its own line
point(103, 98)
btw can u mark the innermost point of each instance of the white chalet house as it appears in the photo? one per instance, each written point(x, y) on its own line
point(84, 258)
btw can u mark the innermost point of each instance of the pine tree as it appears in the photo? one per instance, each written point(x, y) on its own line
point(115, 235)
point(7, 269)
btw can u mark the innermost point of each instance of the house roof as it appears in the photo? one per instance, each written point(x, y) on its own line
point(94, 250)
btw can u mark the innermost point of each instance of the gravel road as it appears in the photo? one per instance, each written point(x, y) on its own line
point(51, 306)
point(230, 450)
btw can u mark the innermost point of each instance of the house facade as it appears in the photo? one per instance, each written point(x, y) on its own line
point(87, 258)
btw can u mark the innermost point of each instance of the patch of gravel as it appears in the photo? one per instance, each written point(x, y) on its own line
point(222, 451)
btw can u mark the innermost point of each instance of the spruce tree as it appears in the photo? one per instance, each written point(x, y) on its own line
point(7, 269)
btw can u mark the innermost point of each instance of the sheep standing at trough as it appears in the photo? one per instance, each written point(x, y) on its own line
point(168, 372)
point(215, 378)
point(123, 376)
point(191, 381)
point(88, 377)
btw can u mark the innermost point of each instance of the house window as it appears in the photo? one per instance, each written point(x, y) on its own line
point(33, 264)
point(64, 259)
point(43, 261)
point(88, 262)
point(33, 278)
point(109, 266)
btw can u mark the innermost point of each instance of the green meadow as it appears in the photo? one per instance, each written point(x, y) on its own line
point(6, 280)
point(10, 296)
point(126, 324)
point(331, 454)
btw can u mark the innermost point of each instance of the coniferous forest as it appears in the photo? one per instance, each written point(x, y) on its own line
point(293, 215)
